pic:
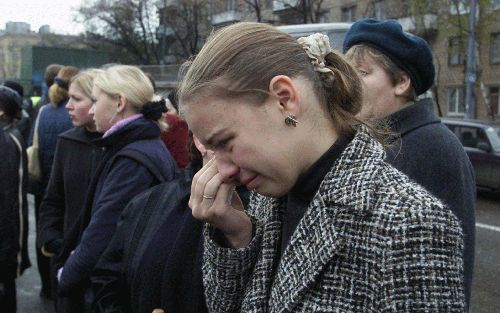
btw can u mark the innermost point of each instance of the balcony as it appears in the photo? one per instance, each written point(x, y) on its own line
point(283, 5)
point(408, 23)
point(226, 17)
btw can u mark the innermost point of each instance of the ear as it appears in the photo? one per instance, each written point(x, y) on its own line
point(122, 103)
point(403, 85)
point(285, 90)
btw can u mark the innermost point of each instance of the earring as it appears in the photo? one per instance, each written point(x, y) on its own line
point(290, 119)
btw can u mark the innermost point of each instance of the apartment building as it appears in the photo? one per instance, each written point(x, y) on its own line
point(443, 23)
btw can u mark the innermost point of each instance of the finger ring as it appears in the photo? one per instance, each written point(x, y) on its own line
point(208, 197)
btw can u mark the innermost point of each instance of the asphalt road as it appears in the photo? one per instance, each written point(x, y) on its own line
point(486, 285)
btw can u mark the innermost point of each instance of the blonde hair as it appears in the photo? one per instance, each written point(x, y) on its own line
point(58, 92)
point(129, 82)
point(240, 61)
point(359, 52)
point(85, 80)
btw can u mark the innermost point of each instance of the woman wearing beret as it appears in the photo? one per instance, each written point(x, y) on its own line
point(331, 226)
point(134, 159)
point(396, 67)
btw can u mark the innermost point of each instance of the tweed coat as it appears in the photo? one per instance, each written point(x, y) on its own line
point(371, 240)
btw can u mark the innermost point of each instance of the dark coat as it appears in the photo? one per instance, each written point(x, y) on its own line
point(117, 180)
point(432, 155)
point(53, 121)
point(13, 205)
point(371, 240)
point(75, 162)
point(118, 282)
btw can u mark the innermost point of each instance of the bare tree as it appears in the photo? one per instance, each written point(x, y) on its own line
point(128, 24)
point(310, 11)
point(256, 6)
point(187, 25)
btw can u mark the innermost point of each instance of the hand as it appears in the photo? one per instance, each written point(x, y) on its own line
point(216, 203)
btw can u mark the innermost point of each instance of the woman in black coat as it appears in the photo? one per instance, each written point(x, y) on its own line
point(13, 205)
point(75, 161)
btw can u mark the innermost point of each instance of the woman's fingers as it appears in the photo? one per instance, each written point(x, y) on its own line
point(199, 181)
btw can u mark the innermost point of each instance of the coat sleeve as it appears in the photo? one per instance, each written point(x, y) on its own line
point(226, 271)
point(107, 280)
point(52, 208)
point(423, 266)
point(125, 180)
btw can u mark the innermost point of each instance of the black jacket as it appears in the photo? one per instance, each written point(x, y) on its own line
point(75, 162)
point(432, 155)
point(117, 281)
point(13, 205)
point(119, 177)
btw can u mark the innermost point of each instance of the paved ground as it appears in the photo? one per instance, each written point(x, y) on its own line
point(486, 285)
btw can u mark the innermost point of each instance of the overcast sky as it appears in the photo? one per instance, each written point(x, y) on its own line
point(56, 13)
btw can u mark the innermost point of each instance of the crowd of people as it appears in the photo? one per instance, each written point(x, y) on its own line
point(281, 176)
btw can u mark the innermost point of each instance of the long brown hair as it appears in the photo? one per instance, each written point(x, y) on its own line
point(240, 61)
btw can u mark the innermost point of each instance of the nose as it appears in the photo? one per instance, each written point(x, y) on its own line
point(227, 169)
point(92, 109)
point(68, 104)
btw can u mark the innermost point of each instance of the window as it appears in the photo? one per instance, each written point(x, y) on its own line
point(229, 5)
point(459, 7)
point(493, 98)
point(495, 4)
point(471, 136)
point(380, 9)
point(456, 100)
point(455, 52)
point(349, 14)
point(495, 48)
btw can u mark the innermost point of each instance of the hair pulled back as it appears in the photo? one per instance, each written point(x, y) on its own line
point(241, 60)
point(58, 92)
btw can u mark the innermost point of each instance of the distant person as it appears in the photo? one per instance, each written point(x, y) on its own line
point(175, 137)
point(75, 162)
point(48, 78)
point(396, 67)
point(134, 160)
point(53, 120)
point(13, 202)
point(25, 121)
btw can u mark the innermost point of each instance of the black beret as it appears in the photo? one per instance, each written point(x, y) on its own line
point(409, 52)
point(10, 102)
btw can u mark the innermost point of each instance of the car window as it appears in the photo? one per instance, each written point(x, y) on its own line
point(494, 135)
point(470, 136)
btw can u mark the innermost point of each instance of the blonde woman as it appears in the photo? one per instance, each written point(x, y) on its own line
point(53, 120)
point(75, 161)
point(134, 159)
point(331, 227)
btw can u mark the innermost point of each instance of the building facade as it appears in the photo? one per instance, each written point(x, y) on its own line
point(443, 23)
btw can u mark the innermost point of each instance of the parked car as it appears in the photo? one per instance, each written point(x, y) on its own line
point(334, 31)
point(481, 141)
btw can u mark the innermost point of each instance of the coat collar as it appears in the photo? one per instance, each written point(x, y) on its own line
point(346, 194)
point(413, 116)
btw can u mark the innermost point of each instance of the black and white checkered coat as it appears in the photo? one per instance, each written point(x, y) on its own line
point(370, 241)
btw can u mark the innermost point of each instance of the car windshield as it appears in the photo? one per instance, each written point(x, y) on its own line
point(494, 133)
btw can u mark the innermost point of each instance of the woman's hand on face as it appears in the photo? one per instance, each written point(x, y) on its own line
point(216, 203)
